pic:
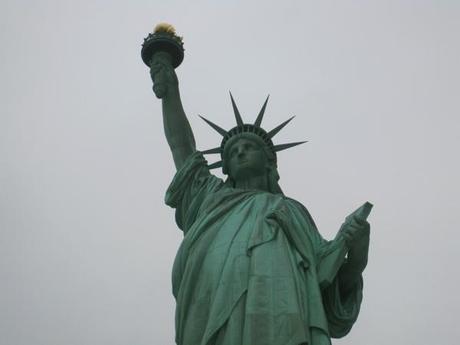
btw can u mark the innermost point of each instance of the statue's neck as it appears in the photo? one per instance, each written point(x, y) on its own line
point(256, 182)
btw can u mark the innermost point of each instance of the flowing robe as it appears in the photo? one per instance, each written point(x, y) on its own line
point(252, 268)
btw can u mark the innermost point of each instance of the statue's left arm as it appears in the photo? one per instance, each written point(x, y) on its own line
point(356, 236)
point(337, 277)
point(341, 277)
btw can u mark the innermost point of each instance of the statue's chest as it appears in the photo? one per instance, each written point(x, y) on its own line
point(228, 224)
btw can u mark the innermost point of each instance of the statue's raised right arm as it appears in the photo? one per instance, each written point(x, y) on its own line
point(176, 126)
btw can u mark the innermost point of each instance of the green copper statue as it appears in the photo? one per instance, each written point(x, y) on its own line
point(252, 268)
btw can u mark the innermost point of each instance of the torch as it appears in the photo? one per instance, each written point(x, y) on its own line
point(163, 39)
point(162, 50)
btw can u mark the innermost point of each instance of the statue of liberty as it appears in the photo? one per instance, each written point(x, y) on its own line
point(252, 268)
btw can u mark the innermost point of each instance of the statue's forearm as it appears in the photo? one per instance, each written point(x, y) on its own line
point(349, 275)
point(177, 128)
point(351, 270)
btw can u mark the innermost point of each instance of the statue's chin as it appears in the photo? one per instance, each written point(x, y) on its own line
point(246, 172)
point(160, 90)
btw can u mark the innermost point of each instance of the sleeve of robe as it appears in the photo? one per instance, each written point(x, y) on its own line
point(341, 310)
point(190, 186)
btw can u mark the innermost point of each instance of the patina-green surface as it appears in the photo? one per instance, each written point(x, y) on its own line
point(252, 268)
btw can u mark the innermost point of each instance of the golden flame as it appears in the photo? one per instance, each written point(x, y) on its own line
point(164, 27)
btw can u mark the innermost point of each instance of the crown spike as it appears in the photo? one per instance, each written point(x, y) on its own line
point(261, 113)
point(239, 120)
point(215, 165)
point(275, 130)
point(221, 131)
point(282, 147)
point(210, 151)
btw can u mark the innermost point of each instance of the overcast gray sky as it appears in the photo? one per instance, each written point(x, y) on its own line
point(86, 242)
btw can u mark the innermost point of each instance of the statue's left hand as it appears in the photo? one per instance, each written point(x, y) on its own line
point(356, 234)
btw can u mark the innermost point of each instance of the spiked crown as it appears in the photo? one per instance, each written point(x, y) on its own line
point(243, 128)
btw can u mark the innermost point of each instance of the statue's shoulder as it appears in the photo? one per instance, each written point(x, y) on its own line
point(299, 208)
point(295, 203)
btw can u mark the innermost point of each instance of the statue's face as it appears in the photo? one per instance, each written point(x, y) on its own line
point(246, 159)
